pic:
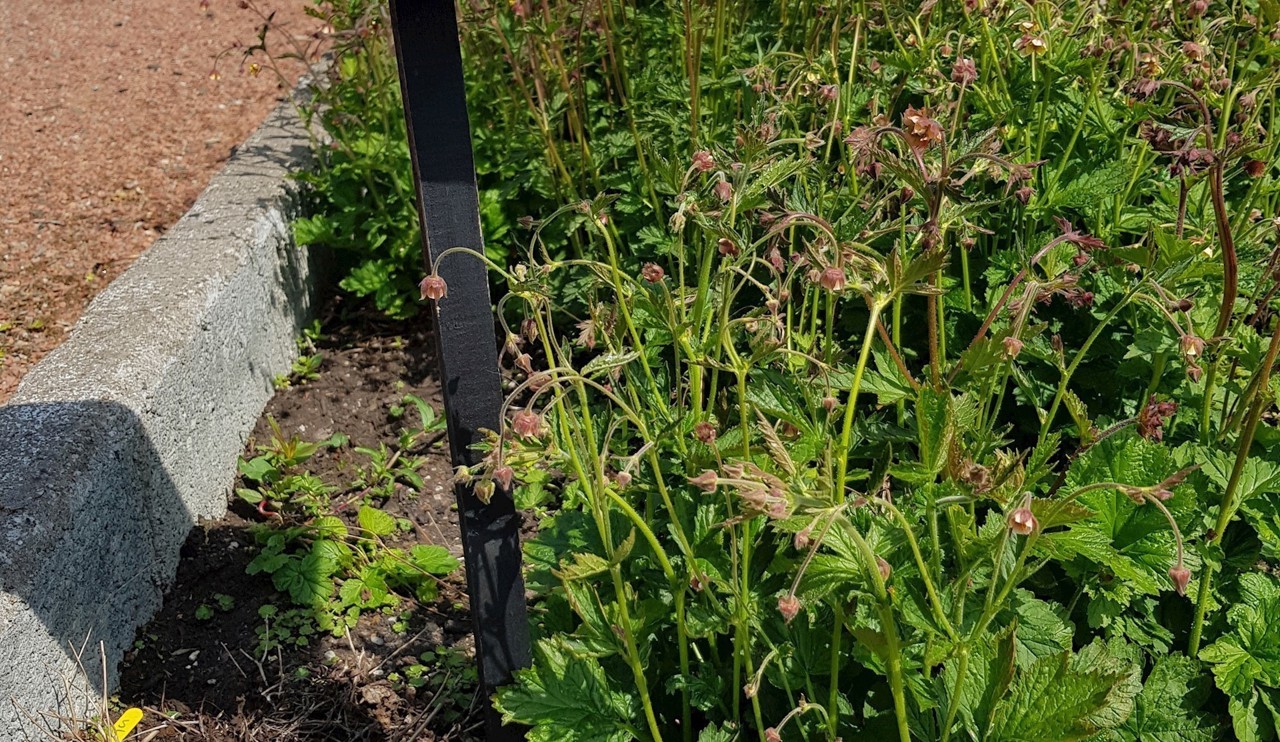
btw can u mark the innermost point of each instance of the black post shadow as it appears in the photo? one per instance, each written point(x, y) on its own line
point(430, 63)
point(90, 524)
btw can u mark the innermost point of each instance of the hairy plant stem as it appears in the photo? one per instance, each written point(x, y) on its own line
point(1229, 505)
point(888, 625)
point(846, 432)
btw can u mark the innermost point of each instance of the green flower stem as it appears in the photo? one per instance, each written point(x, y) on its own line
point(842, 459)
point(633, 654)
point(833, 695)
point(1227, 510)
point(1079, 358)
point(892, 643)
point(934, 602)
point(953, 705)
point(624, 305)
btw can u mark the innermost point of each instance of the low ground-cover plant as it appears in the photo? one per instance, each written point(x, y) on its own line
point(332, 552)
point(918, 382)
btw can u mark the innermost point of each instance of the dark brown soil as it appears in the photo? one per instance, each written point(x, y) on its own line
point(204, 679)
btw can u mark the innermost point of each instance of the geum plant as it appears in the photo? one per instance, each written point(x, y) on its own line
point(934, 397)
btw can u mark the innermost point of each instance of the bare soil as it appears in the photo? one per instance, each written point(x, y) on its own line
point(110, 126)
point(203, 679)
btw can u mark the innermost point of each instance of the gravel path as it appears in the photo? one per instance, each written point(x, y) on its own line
point(110, 126)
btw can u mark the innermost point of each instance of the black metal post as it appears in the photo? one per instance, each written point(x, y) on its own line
point(430, 61)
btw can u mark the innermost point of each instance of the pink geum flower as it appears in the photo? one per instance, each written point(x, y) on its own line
point(920, 129)
point(503, 475)
point(707, 481)
point(723, 190)
point(833, 279)
point(703, 161)
point(1012, 347)
point(652, 272)
point(1022, 521)
point(526, 423)
point(789, 607)
point(433, 287)
point(965, 72)
point(1181, 577)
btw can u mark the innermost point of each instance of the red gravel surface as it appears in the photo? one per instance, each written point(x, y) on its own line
point(110, 126)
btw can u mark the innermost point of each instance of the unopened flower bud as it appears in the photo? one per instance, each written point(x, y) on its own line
point(1012, 347)
point(705, 432)
point(833, 279)
point(772, 735)
point(723, 190)
point(727, 247)
point(652, 272)
point(1181, 577)
point(503, 475)
point(1191, 345)
point(526, 424)
point(829, 404)
point(789, 607)
point(623, 479)
point(883, 568)
point(707, 481)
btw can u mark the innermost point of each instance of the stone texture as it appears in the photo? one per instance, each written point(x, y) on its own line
point(121, 438)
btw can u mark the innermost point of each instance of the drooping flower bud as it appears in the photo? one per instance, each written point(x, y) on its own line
point(772, 735)
point(529, 329)
point(433, 287)
point(789, 607)
point(705, 432)
point(707, 481)
point(727, 247)
point(1255, 168)
point(833, 279)
point(703, 161)
point(829, 404)
point(623, 479)
point(883, 567)
point(652, 272)
point(1191, 345)
point(1022, 521)
point(1181, 577)
point(965, 72)
point(1012, 347)
point(723, 190)
point(503, 475)
point(526, 424)
point(803, 538)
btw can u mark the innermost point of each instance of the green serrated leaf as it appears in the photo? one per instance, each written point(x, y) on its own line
point(375, 521)
point(433, 559)
point(567, 698)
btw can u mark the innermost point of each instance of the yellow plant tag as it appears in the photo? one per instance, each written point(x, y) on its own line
point(125, 724)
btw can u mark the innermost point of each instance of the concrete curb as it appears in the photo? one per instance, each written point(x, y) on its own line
point(121, 438)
